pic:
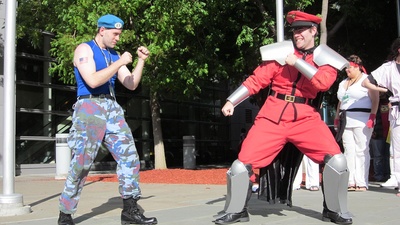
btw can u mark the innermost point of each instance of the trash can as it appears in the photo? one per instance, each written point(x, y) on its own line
point(189, 152)
point(63, 156)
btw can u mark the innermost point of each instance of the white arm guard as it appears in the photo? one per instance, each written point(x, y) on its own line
point(306, 69)
point(323, 55)
point(277, 51)
point(239, 95)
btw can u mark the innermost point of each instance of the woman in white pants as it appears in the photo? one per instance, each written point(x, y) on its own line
point(357, 109)
point(312, 175)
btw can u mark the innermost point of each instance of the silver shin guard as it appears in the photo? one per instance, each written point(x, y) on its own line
point(335, 179)
point(238, 178)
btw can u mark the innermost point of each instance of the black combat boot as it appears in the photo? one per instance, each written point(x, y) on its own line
point(132, 215)
point(243, 216)
point(329, 216)
point(230, 218)
point(65, 219)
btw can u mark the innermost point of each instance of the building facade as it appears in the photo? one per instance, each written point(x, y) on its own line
point(44, 109)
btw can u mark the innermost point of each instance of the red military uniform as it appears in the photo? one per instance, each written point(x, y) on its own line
point(280, 121)
point(288, 117)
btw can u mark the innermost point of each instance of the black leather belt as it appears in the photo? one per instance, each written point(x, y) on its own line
point(291, 98)
point(356, 110)
point(396, 104)
point(96, 96)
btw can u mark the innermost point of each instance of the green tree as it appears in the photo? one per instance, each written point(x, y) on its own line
point(191, 42)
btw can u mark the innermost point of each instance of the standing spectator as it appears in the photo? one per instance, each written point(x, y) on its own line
point(386, 79)
point(379, 148)
point(312, 175)
point(392, 181)
point(98, 119)
point(357, 109)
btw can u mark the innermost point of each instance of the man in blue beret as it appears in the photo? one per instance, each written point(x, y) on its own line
point(110, 21)
point(99, 120)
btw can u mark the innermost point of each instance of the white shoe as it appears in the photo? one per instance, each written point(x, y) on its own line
point(255, 187)
point(392, 182)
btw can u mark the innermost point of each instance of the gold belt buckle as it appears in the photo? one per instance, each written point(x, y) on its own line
point(289, 98)
point(384, 108)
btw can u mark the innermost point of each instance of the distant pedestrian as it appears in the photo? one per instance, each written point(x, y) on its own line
point(357, 110)
point(311, 169)
point(386, 79)
point(379, 147)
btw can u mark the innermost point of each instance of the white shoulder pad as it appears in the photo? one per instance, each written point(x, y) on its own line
point(323, 55)
point(277, 51)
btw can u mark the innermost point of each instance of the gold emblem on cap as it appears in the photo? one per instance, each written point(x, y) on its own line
point(293, 16)
point(118, 25)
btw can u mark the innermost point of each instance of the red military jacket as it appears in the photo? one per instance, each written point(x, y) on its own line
point(282, 79)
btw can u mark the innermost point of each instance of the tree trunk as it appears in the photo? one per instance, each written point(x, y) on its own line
point(159, 153)
point(324, 14)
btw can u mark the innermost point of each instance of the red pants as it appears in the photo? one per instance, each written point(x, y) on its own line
point(266, 139)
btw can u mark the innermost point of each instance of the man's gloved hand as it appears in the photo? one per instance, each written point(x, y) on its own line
point(371, 120)
point(336, 124)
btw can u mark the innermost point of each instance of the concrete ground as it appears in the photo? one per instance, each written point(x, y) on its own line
point(175, 204)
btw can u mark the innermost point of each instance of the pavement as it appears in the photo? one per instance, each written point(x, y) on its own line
point(184, 204)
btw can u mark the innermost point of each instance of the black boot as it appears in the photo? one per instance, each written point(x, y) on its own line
point(330, 216)
point(132, 215)
point(230, 218)
point(65, 219)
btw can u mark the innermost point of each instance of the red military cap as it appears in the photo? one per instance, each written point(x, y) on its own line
point(302, 19)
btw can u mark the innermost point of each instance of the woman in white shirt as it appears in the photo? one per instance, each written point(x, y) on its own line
point(355, 117)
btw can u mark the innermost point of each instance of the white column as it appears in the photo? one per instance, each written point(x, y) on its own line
point(11, 204)
point(279, 20)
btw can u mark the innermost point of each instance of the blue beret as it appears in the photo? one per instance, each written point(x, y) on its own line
point(110, 22)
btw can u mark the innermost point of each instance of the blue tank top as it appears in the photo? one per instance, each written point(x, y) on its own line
point(101, 60)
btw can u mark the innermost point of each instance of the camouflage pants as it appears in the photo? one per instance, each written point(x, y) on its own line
point(96, 122)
